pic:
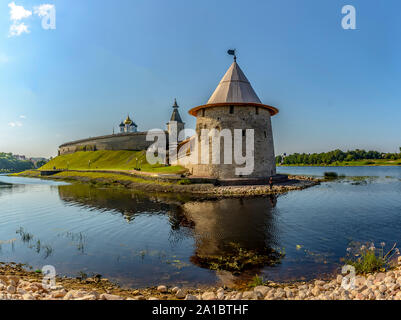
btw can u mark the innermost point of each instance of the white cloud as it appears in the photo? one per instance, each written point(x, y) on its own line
point(14, 124)
point(43, 10)
point(22, 116)
point(18, 12)
point(18, 29)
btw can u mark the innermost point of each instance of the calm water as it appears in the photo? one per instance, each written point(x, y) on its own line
point(143, 240)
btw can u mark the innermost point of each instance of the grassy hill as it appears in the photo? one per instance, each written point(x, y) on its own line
point(108, 160)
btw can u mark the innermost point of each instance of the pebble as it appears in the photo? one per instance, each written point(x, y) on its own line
point(11, 289)
point(209, 295)
point(162, 289)
point(180, 294)
point(379, 286)
point(262, 289)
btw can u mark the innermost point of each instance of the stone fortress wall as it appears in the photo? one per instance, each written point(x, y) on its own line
point(135, 141)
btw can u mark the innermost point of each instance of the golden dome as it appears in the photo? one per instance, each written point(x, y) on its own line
point(128, 120)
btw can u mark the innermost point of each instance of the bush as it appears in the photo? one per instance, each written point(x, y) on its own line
point(368, 162)
point(256, 281)
point(184, 182)
point(367, 258)
point(331, 175)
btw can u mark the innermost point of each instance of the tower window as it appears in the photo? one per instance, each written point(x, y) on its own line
point(257, 110)
point(265, 134)
point(243, 132)
point(203, 112)
point(231, 109)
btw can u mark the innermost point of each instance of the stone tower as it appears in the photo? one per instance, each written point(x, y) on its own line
point(174, 127)
point(235, 105)
point(175, 119)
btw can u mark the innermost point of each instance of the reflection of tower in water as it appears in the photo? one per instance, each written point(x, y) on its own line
point(223, 227)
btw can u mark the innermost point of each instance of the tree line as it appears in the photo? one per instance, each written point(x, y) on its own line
point(8, 163)
point(330, 157)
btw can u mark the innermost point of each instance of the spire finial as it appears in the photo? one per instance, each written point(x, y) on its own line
point(175, 103)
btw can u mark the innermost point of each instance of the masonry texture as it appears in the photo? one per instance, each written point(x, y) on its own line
point(242, 118)
point(125, 141)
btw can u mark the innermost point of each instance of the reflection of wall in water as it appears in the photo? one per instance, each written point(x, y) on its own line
point(246, 222)
point(126, 202)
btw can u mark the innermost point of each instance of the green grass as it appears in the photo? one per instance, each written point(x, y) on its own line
point(27, 173)
point(105, 178)
point(256, 281)
point(108, 160)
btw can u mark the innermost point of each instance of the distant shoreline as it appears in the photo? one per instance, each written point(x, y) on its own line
point(357, 164)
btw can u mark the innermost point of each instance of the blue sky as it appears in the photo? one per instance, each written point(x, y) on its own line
point(335, 88)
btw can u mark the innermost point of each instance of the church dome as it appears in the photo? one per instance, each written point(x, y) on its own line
point(128, 121)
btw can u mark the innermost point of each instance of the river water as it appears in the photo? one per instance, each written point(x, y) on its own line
point(142, 239)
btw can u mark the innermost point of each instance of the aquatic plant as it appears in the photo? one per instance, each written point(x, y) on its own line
point(256, 281)
point(236, 259)
point(367, 258)
point(48, 251)
point(25, 236)
point(82, 275)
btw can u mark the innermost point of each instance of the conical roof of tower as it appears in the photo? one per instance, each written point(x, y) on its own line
point(234, 89)
point(175, 116)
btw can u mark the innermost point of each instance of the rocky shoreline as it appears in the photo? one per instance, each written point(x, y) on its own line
point(18, 284)
point(203, 190)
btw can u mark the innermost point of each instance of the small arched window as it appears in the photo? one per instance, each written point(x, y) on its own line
point(257, 110)
point(203, 112)
point(231, 109)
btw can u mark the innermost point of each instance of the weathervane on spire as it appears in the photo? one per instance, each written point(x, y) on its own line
point(231, 52)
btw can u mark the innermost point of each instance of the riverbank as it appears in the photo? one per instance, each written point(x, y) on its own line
point(16, 283)
point(157, 184)
point(360, 163)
